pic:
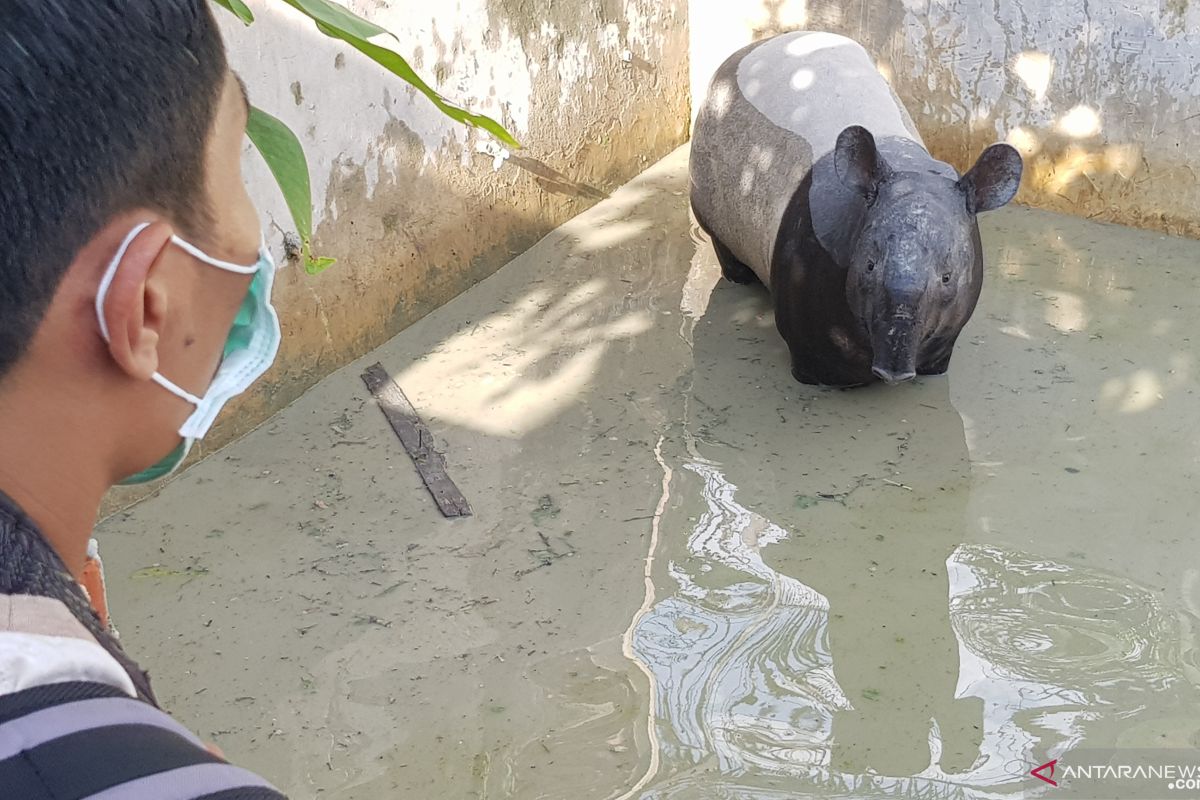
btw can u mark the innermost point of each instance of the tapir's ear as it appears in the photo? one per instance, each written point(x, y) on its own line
point(994, 179)
point(858, 163)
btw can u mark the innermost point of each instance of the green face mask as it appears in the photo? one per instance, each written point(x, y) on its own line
point(250, 349)
point(163, 468)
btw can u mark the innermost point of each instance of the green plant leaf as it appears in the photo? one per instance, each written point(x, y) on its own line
point(337, 16)
point(285, 158)
point(238, 8)
point(315, 266)
point(338, 22)
point(280, 147)
point(396, 64)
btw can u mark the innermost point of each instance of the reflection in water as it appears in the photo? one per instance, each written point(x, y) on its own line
point(747, 665)
point(745, 676)
point(1057, 654)
point(1042, 622)
point(844, 642)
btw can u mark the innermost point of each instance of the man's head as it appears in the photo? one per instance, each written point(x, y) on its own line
point(115, 113)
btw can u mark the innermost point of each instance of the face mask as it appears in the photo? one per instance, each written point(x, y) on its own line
point(250, 349)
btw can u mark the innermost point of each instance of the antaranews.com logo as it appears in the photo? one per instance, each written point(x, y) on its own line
point(1122, 774)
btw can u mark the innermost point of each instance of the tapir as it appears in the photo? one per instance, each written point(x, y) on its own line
point(809, 175)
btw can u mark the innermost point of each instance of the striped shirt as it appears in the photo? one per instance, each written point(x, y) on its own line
point(69, 741)
point(78, 720)
point(71, 727)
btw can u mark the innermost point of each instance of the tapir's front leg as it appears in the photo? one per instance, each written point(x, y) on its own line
point(733, 269)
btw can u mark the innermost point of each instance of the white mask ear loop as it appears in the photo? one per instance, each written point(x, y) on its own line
point(187, 247)
point(228, 266)
point(111, 273)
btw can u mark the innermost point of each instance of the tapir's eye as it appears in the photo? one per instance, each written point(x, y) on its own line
point(870, 266)
point(945, 277)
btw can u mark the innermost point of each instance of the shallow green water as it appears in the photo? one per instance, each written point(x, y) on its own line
point(689, 576)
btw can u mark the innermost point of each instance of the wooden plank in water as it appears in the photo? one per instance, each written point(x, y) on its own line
point(417, 441)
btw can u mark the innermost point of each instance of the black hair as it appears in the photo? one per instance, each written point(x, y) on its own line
point(105, 106)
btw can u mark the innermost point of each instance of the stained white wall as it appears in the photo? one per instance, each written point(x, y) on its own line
point(417, 208)
point(1102, 97)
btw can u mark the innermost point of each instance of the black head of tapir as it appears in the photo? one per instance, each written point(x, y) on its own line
point(916, 267)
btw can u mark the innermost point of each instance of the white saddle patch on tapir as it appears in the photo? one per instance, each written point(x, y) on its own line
point(814, 85)
point(831, 83)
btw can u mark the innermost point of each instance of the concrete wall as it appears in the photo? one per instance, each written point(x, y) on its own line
point(417, 208)
point(1101, 96)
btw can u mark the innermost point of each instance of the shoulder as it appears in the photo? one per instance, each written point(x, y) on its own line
point(79, 739)
point(70, 725)
point(41, 642)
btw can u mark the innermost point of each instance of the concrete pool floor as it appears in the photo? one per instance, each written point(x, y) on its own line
point(688, 576)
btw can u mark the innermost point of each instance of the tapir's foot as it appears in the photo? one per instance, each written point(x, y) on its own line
point(737, 272)
point(804, 377)
point(733, 270)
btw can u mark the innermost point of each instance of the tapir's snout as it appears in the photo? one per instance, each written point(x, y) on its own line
point(894, 345)
point(892, 378)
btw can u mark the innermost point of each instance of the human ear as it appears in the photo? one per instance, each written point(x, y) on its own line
point(134, 309)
